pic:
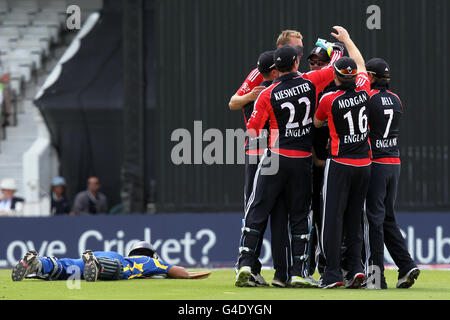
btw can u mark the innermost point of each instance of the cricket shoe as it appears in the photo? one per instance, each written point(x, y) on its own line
point(91, 266)
point(315, 282)
point(257, 280)
point(355, 282)
point(278, 283)
point(27, 265)
point(300, 282)
point(408, 279)
point(243, 277)
point(332, 285)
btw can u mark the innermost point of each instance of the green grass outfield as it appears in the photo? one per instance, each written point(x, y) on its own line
point(432, 284)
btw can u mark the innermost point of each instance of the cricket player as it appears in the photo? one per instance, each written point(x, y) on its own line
point(254, 148)
point(251, 88)
point(385, 111)
point(142, 262)
point(318, 59)
point(347, 170)
point(258, 79)
point(288, 104)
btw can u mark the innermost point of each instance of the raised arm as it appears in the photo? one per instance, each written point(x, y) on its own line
point(353, 51)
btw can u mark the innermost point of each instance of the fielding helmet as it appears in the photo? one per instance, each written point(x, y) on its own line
point(143, 248)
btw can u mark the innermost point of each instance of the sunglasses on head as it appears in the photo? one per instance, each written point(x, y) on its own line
point(347, 71)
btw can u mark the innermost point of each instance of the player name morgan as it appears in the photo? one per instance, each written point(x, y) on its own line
point(351, 102)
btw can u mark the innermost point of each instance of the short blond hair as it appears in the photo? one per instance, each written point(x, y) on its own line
point(283, 38)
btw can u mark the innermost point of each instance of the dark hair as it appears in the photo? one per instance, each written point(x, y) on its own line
point(287, 68)
point(381, 82)
point(267, 74)
point(347, 83)
point(382, 79)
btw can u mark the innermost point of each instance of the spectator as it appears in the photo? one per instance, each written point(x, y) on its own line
point(9, 204)
point(59, 202)
point(90, 201)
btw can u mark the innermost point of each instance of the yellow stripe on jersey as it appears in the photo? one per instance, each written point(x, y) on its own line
point(138, 266)
point(159, 265)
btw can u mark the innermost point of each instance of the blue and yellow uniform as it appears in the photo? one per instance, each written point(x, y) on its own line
point(133, 267)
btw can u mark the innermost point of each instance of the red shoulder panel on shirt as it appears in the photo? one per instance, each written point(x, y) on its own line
point(362, 82)
point(401, 104)
point(253, 80)
point(325, 103)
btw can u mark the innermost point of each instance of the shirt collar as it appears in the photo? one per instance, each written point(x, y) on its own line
point(380, 85)
point(287, 77)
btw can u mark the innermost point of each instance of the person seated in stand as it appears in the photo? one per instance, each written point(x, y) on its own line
point(59, 202)
point(90, 201)
point(10, 205)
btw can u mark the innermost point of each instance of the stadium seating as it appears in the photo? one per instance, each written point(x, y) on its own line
point(27, 34)
point(31, 40)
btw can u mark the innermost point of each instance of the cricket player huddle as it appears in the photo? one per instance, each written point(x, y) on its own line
point(334, 133)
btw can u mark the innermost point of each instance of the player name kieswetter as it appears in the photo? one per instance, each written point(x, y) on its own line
point(294, 91)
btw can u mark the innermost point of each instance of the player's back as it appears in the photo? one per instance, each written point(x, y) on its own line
point(349, 123)
point(293, 99)
point(143, 266)
point(385, 111)
point(136, 266)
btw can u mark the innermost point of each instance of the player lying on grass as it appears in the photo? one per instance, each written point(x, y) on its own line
point(141, 262)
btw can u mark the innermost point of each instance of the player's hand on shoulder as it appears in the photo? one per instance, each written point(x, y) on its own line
point(256, 91)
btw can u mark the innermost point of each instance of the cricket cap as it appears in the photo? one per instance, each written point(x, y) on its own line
point(346, 68)
point(320, 53)
point(378, 67)
point(286, 55)
point(265, 62)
